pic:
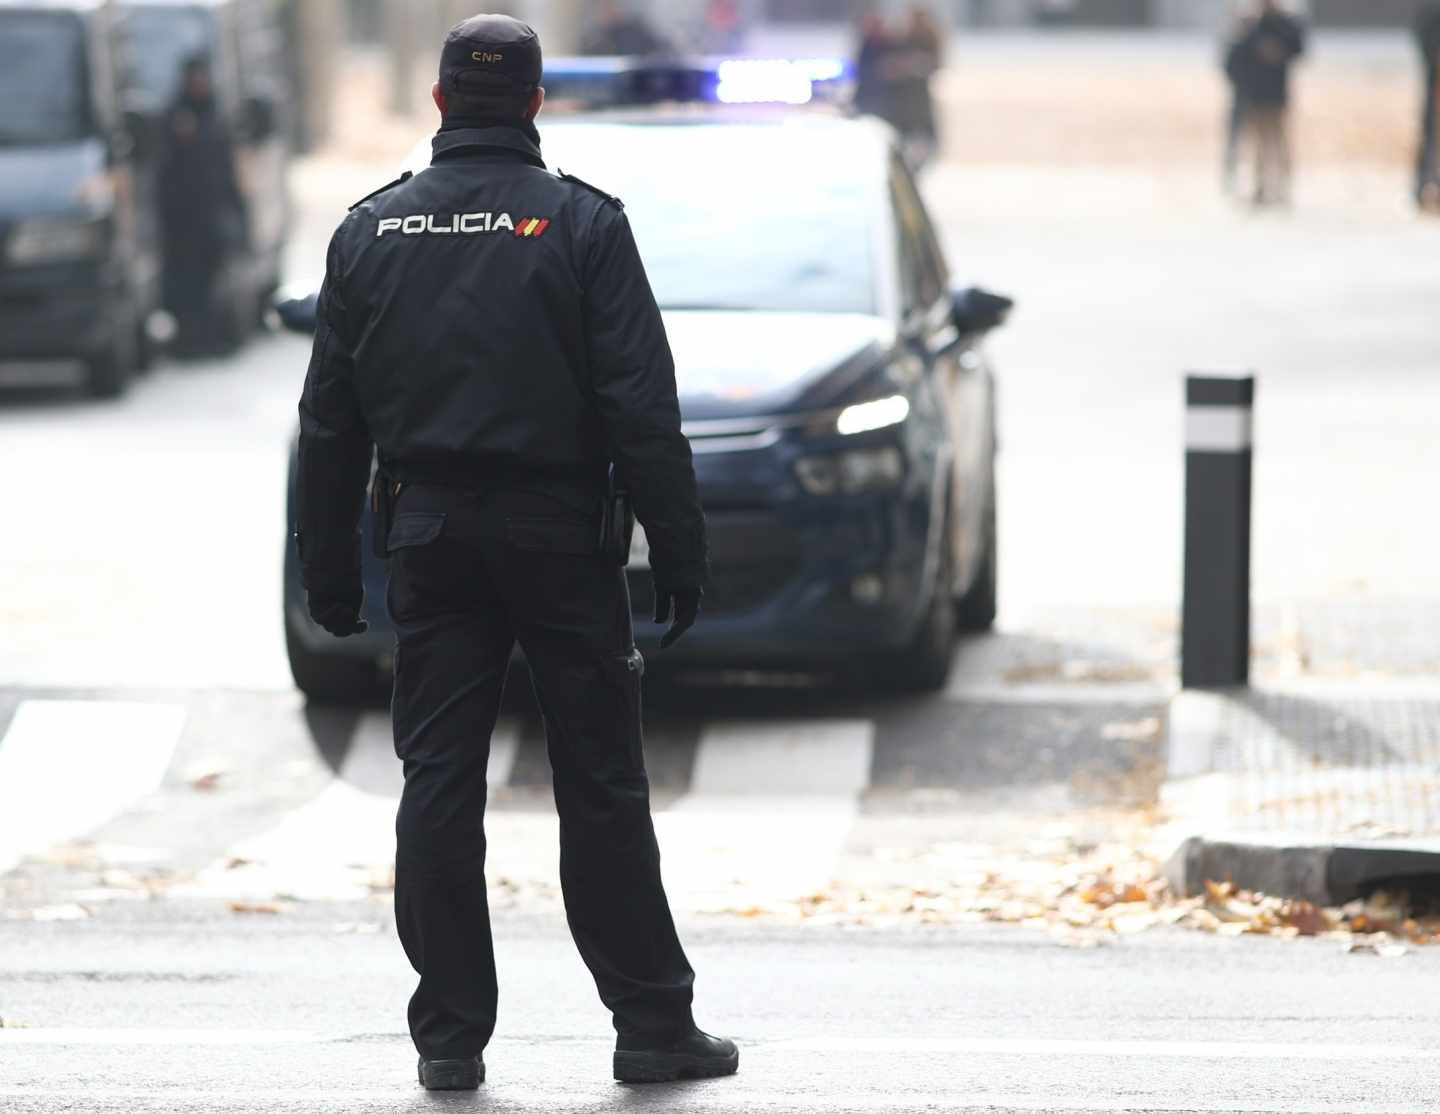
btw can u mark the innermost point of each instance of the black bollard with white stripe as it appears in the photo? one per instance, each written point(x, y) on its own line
point(1219, 444)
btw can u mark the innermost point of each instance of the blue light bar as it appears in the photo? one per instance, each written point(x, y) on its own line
point(609, 82)
point(774, 80)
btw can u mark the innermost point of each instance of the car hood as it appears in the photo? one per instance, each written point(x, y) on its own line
point(741, 364)
point(45, 180)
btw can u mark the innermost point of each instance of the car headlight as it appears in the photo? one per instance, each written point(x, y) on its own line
point(55, 240)
point(851, 473)
point(877, 414)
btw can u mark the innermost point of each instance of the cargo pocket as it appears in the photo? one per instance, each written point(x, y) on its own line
point(413, 567)
point(415, 528)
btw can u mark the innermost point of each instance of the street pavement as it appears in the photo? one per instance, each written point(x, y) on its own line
point(147, 1010)
point(194, 865)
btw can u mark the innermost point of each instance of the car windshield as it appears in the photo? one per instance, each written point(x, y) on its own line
point(735, 217)
point(43, 95)
point(162, 39)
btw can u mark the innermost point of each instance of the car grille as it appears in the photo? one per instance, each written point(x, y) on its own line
point(752, 557)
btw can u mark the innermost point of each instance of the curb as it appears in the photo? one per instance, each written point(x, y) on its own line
point(1324, 874)
point(1207, 733)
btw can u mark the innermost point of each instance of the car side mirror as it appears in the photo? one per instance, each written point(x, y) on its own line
point(298, 315)
point(260, 118)
point(980, 311)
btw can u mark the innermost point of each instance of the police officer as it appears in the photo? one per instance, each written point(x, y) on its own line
point(488, 327)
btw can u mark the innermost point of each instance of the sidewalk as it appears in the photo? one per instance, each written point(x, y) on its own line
point(1322, 790)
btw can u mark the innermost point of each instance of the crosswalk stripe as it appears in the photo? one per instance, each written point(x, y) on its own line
point(370, 762)
point(341, 844)
point(789, 758)
point(335, 847)
point(770, 809)
point(69, 766)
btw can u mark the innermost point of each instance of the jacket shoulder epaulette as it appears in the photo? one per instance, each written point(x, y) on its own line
point(400, 181)
point(610, 197)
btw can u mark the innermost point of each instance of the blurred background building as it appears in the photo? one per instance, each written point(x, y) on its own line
point(564, 22)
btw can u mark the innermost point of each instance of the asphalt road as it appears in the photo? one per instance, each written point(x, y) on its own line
point(149, 1010)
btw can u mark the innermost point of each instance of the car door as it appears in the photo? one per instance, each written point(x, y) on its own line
point(955, 368)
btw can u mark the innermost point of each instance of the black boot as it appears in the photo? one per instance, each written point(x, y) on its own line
point(696, 1055)
point(452, 1075)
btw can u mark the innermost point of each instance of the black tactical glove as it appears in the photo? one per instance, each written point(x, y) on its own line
point(338, 612)
point(684, 603)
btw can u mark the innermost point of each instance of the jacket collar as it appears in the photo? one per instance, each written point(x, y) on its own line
point(508, 142)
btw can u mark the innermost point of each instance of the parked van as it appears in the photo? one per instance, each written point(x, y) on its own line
point(79, 269)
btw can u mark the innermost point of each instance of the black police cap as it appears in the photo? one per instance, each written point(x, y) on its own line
point(491, 53)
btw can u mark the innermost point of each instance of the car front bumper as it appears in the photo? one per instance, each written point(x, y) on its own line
point(54, 313)
point(800, 586)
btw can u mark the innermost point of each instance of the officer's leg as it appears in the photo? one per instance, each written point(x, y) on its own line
point(578, 641)
point(453, 653)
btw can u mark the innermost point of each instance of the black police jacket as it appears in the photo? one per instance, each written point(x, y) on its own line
point(487, 325)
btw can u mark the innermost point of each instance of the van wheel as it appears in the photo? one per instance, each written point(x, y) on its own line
point(329, 679)
point(924, 665)
point(975, 611)
point(109, 370)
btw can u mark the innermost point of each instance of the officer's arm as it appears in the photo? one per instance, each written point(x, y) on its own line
point(335, 451)
point(634, 379)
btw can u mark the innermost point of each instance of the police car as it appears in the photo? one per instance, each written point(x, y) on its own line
point(833, 386)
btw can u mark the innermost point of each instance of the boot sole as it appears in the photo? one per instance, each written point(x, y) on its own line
point(668, 1067)
point(451, 1075)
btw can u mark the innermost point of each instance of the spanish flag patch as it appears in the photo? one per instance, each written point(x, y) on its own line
point(532, 227)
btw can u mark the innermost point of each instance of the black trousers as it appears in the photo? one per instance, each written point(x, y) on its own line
point(469, 577)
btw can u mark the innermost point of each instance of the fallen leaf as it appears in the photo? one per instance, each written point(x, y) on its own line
point(206, 779)
point(1219, 892)
point(267, 908)
point(1304, 918)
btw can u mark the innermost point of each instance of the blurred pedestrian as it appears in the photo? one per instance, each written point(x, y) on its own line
point(871, 91)
point(1264, 58)
point(893, 78)
point(202, 214)
point(618, 31)
point(922, 56)
point(1235, 124)
point(1427, 176)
